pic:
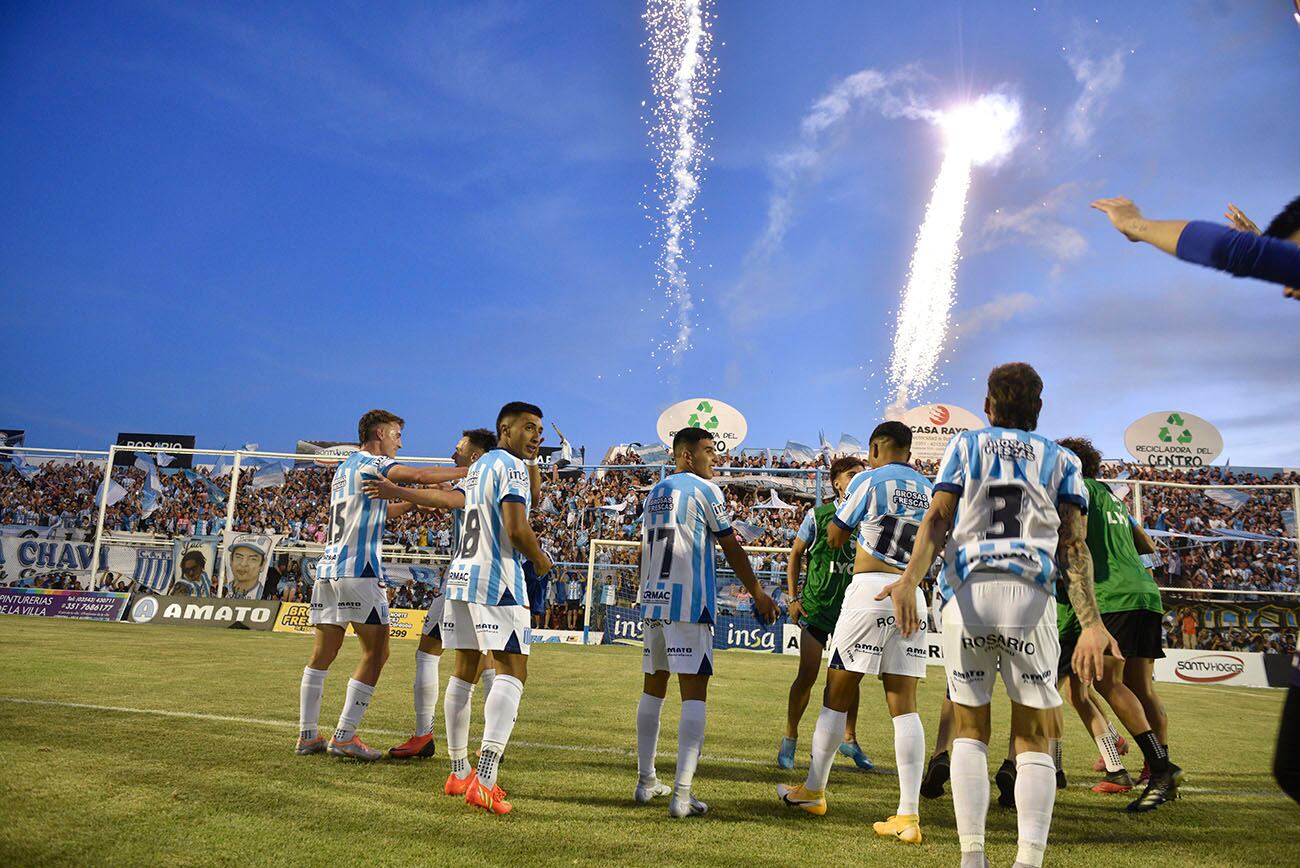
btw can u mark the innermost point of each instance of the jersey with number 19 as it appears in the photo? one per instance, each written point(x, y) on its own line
point(356, 520)
point(487, 569)
point(683, 514)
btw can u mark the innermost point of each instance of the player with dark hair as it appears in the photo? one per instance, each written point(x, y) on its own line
point(1008, 512)
point(684, 514)
point(349, 586)
point(883, 506)
point(815, 606)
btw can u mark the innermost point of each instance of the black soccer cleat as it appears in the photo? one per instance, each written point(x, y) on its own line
point(1006, 781)
point(936, 775)
point(1160, 789)
point(1061, 783)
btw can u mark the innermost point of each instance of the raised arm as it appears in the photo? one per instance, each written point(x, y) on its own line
point(515, 518)
point(433, 498)
point(405, 474)
point(1075, 562)
point(535, 485)
point(930, 540)
point(763, 605)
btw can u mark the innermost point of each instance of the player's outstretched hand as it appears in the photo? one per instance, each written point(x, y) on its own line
point(382, 489)
point(765, 608)
point(903, 596)
point(1123, 214)
point(1090, 652)
point(1239, 221)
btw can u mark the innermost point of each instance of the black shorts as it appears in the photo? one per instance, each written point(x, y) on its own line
point(1063, 667)
point(822, 636)
point(1139, 632)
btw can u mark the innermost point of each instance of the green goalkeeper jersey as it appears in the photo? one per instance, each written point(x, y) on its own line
point(829, 570)
point(1122, 583)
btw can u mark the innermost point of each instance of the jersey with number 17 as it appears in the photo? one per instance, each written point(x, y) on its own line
point(886, 505)
point(683, 514)
point(1009, 484)
point(487, 569)
point(356, 520)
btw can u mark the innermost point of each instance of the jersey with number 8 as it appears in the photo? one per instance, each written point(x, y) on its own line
point(356, 520)
point(886, 505)
point(683, 513)
point(486, 568)
point(1009, 484)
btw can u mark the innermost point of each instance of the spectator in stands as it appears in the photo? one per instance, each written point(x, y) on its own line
point(1189, 629)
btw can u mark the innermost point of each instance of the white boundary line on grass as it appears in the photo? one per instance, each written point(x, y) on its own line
point(569, 748)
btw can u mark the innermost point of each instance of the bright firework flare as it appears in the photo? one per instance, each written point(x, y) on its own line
point(977, 134)
point(682, 71)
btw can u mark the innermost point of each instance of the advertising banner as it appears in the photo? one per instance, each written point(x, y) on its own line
point(245, 561)
point(933, 425)
point(722, 420)
point(555, 637)
point(1228, 668)
point(326, 453)
point(87, 605)
point(126, 458)
point(1173, 439)
point(623, 627)
point(153, 609)
point(402, 623)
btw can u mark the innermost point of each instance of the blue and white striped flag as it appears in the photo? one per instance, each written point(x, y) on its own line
point(115, 493)
point(269, 474)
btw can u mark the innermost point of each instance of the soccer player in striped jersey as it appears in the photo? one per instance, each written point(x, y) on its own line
point(678, 596)
point(815, 606)
point(1008, 512)
point(349, 586)
point(884, 506)
point(486, 606)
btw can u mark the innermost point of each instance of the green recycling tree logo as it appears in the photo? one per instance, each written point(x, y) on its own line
point(1166, 436)
point(708, 424)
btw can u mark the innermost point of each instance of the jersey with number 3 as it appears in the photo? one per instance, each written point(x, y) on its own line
point(487, 569)
point(683, 514)
point(1009, 484)
point(886, 505)
point(356, 520)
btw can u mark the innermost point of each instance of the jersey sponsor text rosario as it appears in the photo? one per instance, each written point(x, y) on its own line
point(356, 520)
point(487, 569)
point(886, 505)
point(683, 513)
point(1009, 484)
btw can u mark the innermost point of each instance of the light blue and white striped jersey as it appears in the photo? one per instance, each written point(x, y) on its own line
point(683, 513)
point(356, 520)
point(807, 529)
point(886, 505)
point(1008, 483)
point(487, 569)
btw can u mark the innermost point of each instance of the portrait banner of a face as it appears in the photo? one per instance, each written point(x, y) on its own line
point(246, 557)
point(194, 567)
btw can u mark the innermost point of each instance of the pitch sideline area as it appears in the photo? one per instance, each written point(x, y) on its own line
point(139, 745)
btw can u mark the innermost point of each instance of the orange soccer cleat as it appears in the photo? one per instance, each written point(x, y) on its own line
point(415, 747)
point(493, 801)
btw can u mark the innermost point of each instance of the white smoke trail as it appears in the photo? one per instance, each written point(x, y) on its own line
point(981, 133)
point(682, 74)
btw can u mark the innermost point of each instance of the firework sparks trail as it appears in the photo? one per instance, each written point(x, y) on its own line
point(682, 72)
point(978, 134)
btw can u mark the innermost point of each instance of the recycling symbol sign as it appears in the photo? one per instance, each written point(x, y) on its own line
point(1166, 436)
point(708, 424)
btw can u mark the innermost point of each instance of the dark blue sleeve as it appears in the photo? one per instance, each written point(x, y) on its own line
point(1243, 254)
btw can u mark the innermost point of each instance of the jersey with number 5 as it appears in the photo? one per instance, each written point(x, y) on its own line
point(487, 569)
point(886, 505)
point(356, 520)
point(1009, 484)
point(683, 514)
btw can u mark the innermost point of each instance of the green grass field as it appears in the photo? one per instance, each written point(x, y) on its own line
point(125, 744)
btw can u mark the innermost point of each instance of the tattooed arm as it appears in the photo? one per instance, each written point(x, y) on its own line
point(1075, 562)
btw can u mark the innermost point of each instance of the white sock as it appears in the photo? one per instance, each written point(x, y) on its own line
point(647, 736)
point(826, 740)
point(970, 791)
point(486, 679)
point(1110, 728)
point(455, 708)
point(354, 708)
point(1109, 752)
point(909, 754)
point(426, 691)
point(499, 712)
point(309, 694)
point(1035, 797)
point(1054, 745)
point(690, 741)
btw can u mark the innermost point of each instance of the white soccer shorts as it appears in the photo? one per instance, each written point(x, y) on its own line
point(433, 618)
point(476, 627)
point(346, 601)
point(866, 637)
point(681, 647)
point(1000, 623)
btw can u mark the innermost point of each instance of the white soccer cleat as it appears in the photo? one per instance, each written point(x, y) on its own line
point(646, 792)
point(691, 808)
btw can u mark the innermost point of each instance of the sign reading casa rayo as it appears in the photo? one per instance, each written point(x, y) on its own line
point(1172, 438)
point(933, 425)
point(722, 420)
point(125, 457)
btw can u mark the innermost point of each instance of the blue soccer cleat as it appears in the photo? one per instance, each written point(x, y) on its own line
point(851, 750)
point(785, 756)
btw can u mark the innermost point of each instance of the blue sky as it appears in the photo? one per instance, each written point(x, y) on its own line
point(254, 222)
